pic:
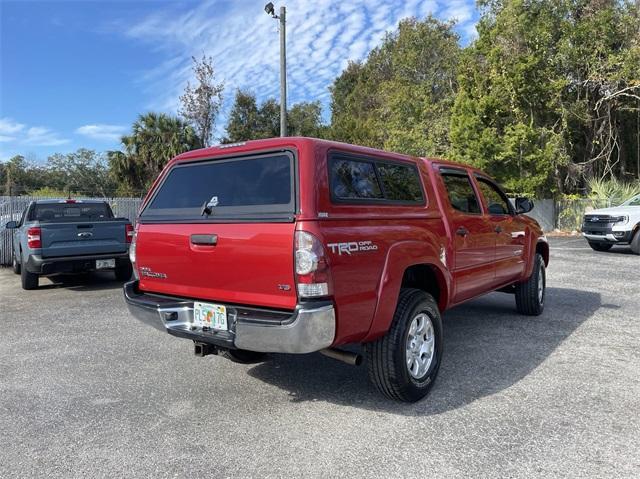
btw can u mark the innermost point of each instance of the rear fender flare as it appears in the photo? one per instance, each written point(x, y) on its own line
point(399, 257)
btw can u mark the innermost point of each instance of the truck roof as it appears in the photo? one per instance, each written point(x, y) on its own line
point(49, 201)
point(296, 141)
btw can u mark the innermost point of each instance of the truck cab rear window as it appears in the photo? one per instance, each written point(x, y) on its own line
point(364, 180)
point(49, 212)
point(234, 187)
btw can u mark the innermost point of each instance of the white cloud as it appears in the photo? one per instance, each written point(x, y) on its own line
point(41, 136)
point(322, 35)
point(18, 133)
point(102, 132)
point(9, 128)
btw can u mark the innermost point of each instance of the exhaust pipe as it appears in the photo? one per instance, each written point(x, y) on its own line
point(354, 359)
point(203, 349)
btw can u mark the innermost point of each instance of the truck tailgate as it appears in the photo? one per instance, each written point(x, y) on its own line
point(250, 263)
point(79, 239)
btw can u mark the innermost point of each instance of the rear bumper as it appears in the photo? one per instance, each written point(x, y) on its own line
point(68, 264)
point(309, 328)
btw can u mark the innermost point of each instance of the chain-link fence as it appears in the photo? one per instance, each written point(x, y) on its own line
point(11, 208)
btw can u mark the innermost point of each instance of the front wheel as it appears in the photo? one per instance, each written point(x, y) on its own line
point(600, 246)
point(530, 295)
point(404, 363)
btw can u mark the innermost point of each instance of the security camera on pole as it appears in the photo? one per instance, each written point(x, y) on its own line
point(283, 64)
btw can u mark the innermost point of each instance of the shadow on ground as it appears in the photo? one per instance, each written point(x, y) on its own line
point(488, 348)
point(94, 281)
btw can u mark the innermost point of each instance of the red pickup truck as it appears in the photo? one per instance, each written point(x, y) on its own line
point(296, 245)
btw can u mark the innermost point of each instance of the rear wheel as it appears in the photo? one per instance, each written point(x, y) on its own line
point(635, 242)
point(28, 280)
point(600, 246)
point(123, 270)
point(404, 363)
point(15, 266)
point(530, 295)
point(243, 356)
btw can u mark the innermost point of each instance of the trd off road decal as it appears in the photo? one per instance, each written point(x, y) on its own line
point(352, 247)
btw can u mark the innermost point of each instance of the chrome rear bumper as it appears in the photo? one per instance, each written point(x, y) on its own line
point(310, 327)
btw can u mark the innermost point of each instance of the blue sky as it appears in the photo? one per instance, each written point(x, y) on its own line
point(77, 73)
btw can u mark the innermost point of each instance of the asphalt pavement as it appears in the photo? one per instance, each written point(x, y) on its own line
point(86, 391)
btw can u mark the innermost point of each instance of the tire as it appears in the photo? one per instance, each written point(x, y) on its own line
point(15, 266)
point(389, 369)
point(530, 295)
point(123, 270)
point(600, 246)
point(28, 280)
point(635, 242)
point(242, 356)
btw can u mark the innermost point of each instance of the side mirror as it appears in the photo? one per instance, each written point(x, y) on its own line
point(523, 205)
point(11, 225)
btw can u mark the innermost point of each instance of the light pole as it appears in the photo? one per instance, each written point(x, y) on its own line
point(283, 64)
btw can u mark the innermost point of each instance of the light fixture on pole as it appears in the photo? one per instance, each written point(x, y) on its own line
point(269, 9)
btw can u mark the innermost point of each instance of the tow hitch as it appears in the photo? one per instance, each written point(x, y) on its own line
point(203, 349)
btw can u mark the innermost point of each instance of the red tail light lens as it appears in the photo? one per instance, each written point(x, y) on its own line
point(313, 277)
point(33, 238)
point(128, 233)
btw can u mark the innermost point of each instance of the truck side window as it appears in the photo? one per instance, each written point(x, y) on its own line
point(497, 203)
point(352, 179)
point(400, 182)
point(461, 193)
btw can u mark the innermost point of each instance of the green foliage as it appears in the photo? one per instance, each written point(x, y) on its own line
point(546, 93)
point(154, 140)
point(82, 172)
point(613, 190)
point(247, 121)
point(400, 97)
point(49, 192)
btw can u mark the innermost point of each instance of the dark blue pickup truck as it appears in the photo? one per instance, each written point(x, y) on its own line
point(69, 236)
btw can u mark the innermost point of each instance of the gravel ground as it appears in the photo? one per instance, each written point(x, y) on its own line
point(85, 390)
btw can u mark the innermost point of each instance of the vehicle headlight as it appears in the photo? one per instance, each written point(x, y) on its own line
point(622, 219)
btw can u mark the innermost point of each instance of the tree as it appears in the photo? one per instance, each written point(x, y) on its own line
point(83, 172)
point(400, 97)
point(155, 138)
point(305, 119)
point(548, 93)
point(201, 103)
point(248, 121)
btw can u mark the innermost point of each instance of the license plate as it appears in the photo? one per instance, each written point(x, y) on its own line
point(210, 316)
point(105, 263)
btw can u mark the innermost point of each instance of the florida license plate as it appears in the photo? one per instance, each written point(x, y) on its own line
point(105, 263)
point(210, 316)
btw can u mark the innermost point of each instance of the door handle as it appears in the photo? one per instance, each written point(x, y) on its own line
point(462, 231)
point(207, 240)
point(498, 229)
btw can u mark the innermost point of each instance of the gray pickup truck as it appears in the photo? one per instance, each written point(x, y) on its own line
point(69, 236)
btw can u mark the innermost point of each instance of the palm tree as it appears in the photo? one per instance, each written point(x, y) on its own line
point(155, 138)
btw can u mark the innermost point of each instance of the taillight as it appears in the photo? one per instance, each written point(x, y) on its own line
point(33, 238)
point(313, 277)
point(132, 248)
point(128, 235)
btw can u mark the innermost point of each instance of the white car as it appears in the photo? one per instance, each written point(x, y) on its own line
point(617, 225)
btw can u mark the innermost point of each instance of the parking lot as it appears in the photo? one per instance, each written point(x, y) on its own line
point(86, 390)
